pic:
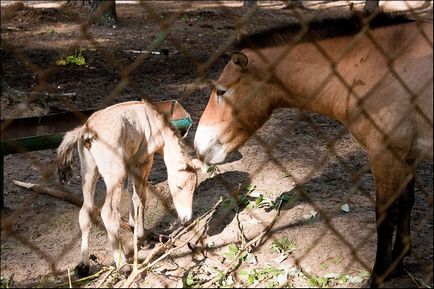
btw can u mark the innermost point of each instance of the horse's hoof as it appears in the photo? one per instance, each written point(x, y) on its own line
point(371, 283)
point(82, 270)
point(398, 272)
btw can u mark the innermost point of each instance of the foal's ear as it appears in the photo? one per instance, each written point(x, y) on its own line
point(240, 59)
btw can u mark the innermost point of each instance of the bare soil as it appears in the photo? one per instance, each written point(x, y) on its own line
point(43, 241)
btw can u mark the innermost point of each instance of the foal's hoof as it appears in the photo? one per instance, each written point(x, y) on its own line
point(81, 270)
point(124, 270)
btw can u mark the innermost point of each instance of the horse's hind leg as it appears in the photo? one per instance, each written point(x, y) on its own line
point(111, 166)
point(402, 245)
point(89, 175)
point(111, 216)
point(390, 180)
point(140, 174)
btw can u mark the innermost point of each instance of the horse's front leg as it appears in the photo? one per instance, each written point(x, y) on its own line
point(391, 176)
point(140, 174)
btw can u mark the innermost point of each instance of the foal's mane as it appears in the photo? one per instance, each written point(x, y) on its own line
point(317, 30)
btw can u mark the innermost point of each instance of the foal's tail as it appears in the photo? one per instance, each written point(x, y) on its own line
point(65, 153)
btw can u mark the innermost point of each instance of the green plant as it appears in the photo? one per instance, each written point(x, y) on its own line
point(190, 280)
point(72, 59)
point(317, 281)
point(324, 266)
point(337, 260)
point(7, 283)
point(185, 18)
point(283, 245)
point(250, 188)
point(224, 281)
point(261, 274)
point(260, 202)
point(233, 251)
point(51, 30)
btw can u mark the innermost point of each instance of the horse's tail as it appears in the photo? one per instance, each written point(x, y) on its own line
point(65, 153)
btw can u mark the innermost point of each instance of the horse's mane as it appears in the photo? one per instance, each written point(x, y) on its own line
point(317, 30)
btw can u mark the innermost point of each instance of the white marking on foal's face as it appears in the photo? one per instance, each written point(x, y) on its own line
point(184, 214)
point(208, 145)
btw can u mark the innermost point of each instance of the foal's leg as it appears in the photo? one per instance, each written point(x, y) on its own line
point(89, 175)
point(112, 168)
point(111, 216)
point(389, 177)
point(140, 175)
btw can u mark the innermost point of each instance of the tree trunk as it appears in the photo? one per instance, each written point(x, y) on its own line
point(250, 3)
point(371, 5)
point(105, 12)
point(291, 4)
point(426, 4)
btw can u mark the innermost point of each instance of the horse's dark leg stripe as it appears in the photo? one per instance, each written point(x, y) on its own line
point(384, 242)
point(403, 233)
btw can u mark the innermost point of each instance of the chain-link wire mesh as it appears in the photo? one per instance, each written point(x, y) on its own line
point(298, 209)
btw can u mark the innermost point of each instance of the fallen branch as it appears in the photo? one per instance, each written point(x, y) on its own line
point(101, 282)
point(418, 282)
point(50, 192)
point(173, 238)
point(164, 52)
point(65, 196)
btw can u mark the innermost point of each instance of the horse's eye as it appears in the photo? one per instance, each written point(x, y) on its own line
point(220, 94)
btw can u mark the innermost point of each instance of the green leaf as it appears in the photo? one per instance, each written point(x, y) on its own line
point(250, 188)
point(72, 59)
point(364, 274)
point(343, 279)
point(316, 281)
point(232, 251)
point(251, 279)
point(243, 272)
point(324, 266)
point(337, 260)
point(250, 205)
point(283, 245)
point(189, 280)
point(61, 62)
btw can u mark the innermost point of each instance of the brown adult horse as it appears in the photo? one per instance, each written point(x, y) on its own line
point(376, 81)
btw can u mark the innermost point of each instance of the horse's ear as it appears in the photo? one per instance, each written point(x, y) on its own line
point(240, 59)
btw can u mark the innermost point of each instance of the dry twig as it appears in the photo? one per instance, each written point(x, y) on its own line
point(147, 264)
point(252, 243)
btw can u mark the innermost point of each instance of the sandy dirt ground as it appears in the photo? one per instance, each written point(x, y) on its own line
point(43, 240)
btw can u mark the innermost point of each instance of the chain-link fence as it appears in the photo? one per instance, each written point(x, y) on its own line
point(296, 205)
